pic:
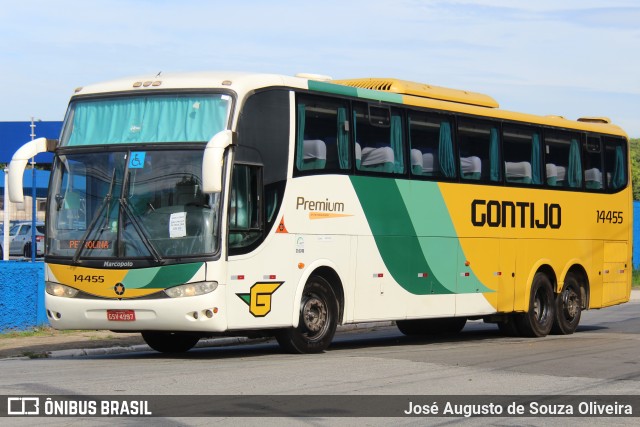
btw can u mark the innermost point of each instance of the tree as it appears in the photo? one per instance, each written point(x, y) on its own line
point(635, 167)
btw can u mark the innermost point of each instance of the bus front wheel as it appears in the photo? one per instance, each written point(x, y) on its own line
point(170, 342)
point(568, 307)
point(318, 319)
point(537, 321)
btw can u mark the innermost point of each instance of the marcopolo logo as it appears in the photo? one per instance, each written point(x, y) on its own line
point(259, 298)
point(118, 264)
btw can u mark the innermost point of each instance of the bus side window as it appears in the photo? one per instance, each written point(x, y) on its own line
point(245, 206)
point(615, 163)
point(322, 135)
point(431, 144)
point(479, 143)
point(379, 140)
point(593, 164)
point(522, 155)
point(563, 159)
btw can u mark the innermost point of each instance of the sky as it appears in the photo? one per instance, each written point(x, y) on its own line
point(572, 58)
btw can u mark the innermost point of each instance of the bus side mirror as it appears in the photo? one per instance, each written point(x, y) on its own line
point(19, 163)
point(213, 159)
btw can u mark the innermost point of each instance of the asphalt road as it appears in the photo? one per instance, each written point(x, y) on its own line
point(601, 358)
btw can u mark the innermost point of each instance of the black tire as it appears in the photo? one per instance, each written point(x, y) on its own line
point(509, 326)
point(170, 342)
point(538, 320)
point(318, 319)
point(434, 327)
point(26, 250)
point(1, 254)
point(568, 307)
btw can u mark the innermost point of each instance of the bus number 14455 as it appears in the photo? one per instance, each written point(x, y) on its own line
point(612, 217)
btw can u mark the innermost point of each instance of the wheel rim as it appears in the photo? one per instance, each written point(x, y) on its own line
point(570, 304)
point(315, 316)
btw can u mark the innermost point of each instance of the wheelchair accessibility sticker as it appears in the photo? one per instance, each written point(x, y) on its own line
point(259, 299)
point(137, 159)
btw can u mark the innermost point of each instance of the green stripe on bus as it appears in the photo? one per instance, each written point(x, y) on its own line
point(414, 235)
point(161, 277)
point(430, 217)
point(331, 88)
point(355, 92)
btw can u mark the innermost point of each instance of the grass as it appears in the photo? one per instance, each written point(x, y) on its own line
point(40, 331)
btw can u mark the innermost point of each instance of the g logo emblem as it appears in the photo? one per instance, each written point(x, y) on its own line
point(259, 300)
point(119, 288)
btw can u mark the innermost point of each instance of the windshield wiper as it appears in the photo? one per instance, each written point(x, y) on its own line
point(106, 202)
point(136, 224)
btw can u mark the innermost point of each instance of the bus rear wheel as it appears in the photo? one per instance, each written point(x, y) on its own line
point(435, 327)
point(170, 342)
point(318, 319)
point(568, 307)
point(538, 320)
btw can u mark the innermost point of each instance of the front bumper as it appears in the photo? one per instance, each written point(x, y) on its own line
point(204, 313)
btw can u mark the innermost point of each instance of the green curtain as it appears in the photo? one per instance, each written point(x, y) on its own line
point(355, 138)
point(574, 174)
point(300, 137)
point(189, 118)
point(343, 139)
point(445, 151)
point(619, 177)
point(396, 144)
point(494, 155)
point(536, 177)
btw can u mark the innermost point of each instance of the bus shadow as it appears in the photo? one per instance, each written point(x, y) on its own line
point(398, 339)
point(377, 338)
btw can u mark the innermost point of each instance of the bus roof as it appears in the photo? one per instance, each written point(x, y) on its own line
point(381, 89)
point(237, 81)
point(422, 90)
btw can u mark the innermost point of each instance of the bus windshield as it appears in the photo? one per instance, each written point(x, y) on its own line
point(146, 119)
point(129, 203)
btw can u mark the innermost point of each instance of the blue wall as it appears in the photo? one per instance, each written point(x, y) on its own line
point(21, 295)
point(636, 235)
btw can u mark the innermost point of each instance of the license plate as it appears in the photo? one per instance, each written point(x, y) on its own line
point(121, 315)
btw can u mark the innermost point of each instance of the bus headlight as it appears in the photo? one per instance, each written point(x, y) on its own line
point(60, 290)
point(191, 289)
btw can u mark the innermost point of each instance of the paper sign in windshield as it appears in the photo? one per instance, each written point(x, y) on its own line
point(178, 225)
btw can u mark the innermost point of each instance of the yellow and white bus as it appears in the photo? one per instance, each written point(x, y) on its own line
point(193, 205)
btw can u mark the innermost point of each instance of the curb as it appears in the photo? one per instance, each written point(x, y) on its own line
point(204, 343)
point(210, 342)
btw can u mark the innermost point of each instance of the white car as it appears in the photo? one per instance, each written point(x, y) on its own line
point(20, 239)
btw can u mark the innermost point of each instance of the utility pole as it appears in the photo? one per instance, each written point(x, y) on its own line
point(33, 196)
